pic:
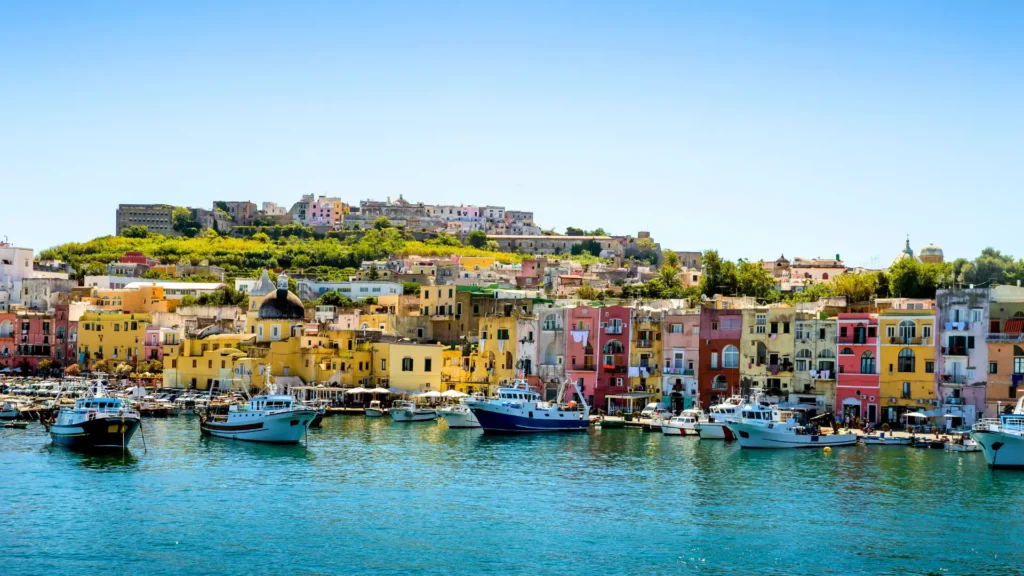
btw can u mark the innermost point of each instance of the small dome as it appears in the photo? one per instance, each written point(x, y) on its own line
point(283, 305)
point(931, 250)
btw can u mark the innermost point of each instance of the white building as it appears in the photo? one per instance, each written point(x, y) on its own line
point(15, 266)
point(354, 290)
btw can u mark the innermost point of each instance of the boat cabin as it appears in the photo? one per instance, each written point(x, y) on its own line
point(99, 404)
point(272, 402)
point(518, 394)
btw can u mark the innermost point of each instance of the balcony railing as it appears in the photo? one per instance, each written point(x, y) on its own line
point(954, 401)
point(853, 340)
point(955, 351)
point(908, 340)
point(613, 330)
point(643, 343)
point(961, 325)
point(551, 327)
point(613, 369)
point(954, 379)
point(679, 371)
point(1000, 337)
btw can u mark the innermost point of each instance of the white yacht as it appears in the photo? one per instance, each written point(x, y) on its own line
point(458, 415)
point(409, 411)
point(275, 418)
point(375, 409)
point(10, 410)
point(519, 409)
point(714, 427)
point(685, 424)
point(1002, 440)
point(766, 426)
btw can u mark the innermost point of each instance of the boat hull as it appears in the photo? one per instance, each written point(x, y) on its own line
point(281, 428)
point(375, 413)
point(459, 419)
point(1001, 450)
point(9, 414)
point(100, 433)
point(884, 441)
point(511, 422)
point(715, 431)
point(406, 415)
point(756, 436)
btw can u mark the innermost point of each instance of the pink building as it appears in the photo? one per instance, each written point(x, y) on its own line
point(152, 347)
point(34, 338)
point(597, 351)
point(532, 274)
point(680, 354)
point(857, 385)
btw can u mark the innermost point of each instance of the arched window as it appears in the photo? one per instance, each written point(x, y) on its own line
point(804, 353)
point(613, 347)
point(1018, 360)
point(731, 357)
point(824, 276)
point(908, 330)
point(826, 353)
point(905, 361)
point(802, 362)
point(719, 383)
point(867, 363)
point(6, 329)
point(509, 363)
point(846, 351)
point(552, 322)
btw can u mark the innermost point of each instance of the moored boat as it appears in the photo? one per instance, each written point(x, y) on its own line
point(685, 424)
point(409, 411)
point(714, 428)
point(962, 442)
point(764, 426)
point(375, 409)
point(518, 409)
point(274, 419)
point(95, 423)
point(458, 415)
point(9, 411)
point(1002, 440)
point(884, 439)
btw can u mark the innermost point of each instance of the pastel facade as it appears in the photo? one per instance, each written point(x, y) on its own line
point(766, 349)
point(858, 392)
point(645, 352)
point(961, 359)
point(720, 333)
point(112, 336)
point(1005, 343)
point(907, 357)
point(680, 345)
point(551, 346)
point(409, 367)
point(814, 362)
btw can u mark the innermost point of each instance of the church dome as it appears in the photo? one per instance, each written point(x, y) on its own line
point(907, 252)
point(282, 305)
point(931, 250)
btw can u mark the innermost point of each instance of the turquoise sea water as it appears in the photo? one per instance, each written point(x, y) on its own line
point(376, 496)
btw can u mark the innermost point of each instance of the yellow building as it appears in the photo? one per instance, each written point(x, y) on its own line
point(204, 362)
point(907, 358)
point(144, 299)
point(438, 302)
point(645, 352)
point(407, 366)
point(767, 349)
point(476, 263)
point(114, 336)
point(275, 315)
point(497, 350)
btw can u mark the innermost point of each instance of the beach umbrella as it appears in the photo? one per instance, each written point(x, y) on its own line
point(359, 390)
point(454, 394)
point(917, 415)
point(431, 394)
point(379, 390)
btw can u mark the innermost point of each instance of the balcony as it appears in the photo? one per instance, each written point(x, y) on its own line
point(613, 329)
point(955, 351)
point(908, 340)
point(999, 337)
point(961, 326)
point(954, 379)
point(853, 340)
point(551, 327)
point(953, 401)
point(613, 369)
point(643, 343)
point(439, 317)
point(679, 371)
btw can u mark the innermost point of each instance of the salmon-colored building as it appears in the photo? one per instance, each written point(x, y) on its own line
point(857, 386)
point(719, 354)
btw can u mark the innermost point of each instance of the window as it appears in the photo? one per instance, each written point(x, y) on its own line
point(908, 330)
point(905, 361)
point(193, 363)
point(406, 364)
point(993, 367)
point(1018, 360)
point(774, 328)
point(476, 309)
point(929, 366)
point(502, 334)
point(926, 331)
point(174, 363)
point(714, 325)
point(867, 363)
point(419, 332)
point(761, 320)
point(719, 383)
point(890, 331)
point(714, 359)
point(872, 331)
point(675, 329)
point(731, 357)
point(383, 364)
point(428, 364)
point(906, 390)
point(785, 327)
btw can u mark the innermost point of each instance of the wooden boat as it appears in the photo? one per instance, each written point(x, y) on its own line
point(18, 425)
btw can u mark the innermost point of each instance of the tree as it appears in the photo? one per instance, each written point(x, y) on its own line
point(882, 285)
point(44, 365)
point(647, 250)
point(189, 300)
point(411, 288)
point(811, 293)
point(719, 276)
point(373, 274)
point(990, 266)
point(135, 232)
point(335, 299)
point(477, 239)
point(599, 232)
point(261, 237)
point(753, 279)
point(301, 261)
point(123, 370)
point(856, 287)
point(573, 231)
point(592, 247)
point(381, 223)
point(184, 222)
point(73, 370)
point(669, 275)
point(669, 258)
point(155, 366)
point(443, 239)
point(492, 246)
point(586, 292)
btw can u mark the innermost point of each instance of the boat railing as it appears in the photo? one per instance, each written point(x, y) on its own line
point(986, 424)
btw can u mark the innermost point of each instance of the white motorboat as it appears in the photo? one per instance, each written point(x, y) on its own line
point(962, 442)
point(458, 415)
point(714, 428)
point(685, 424)
point(275, 419)
point(765, 426)
point(375, 409)
point(409, 411)
point(519, 409)
point(884, 439)
point(1002, 440)
point(9, 411)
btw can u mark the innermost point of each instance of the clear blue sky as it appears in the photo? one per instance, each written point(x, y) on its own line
point(809, 128)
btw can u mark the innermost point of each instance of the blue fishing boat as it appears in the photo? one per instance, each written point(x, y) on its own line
point(518, 409)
